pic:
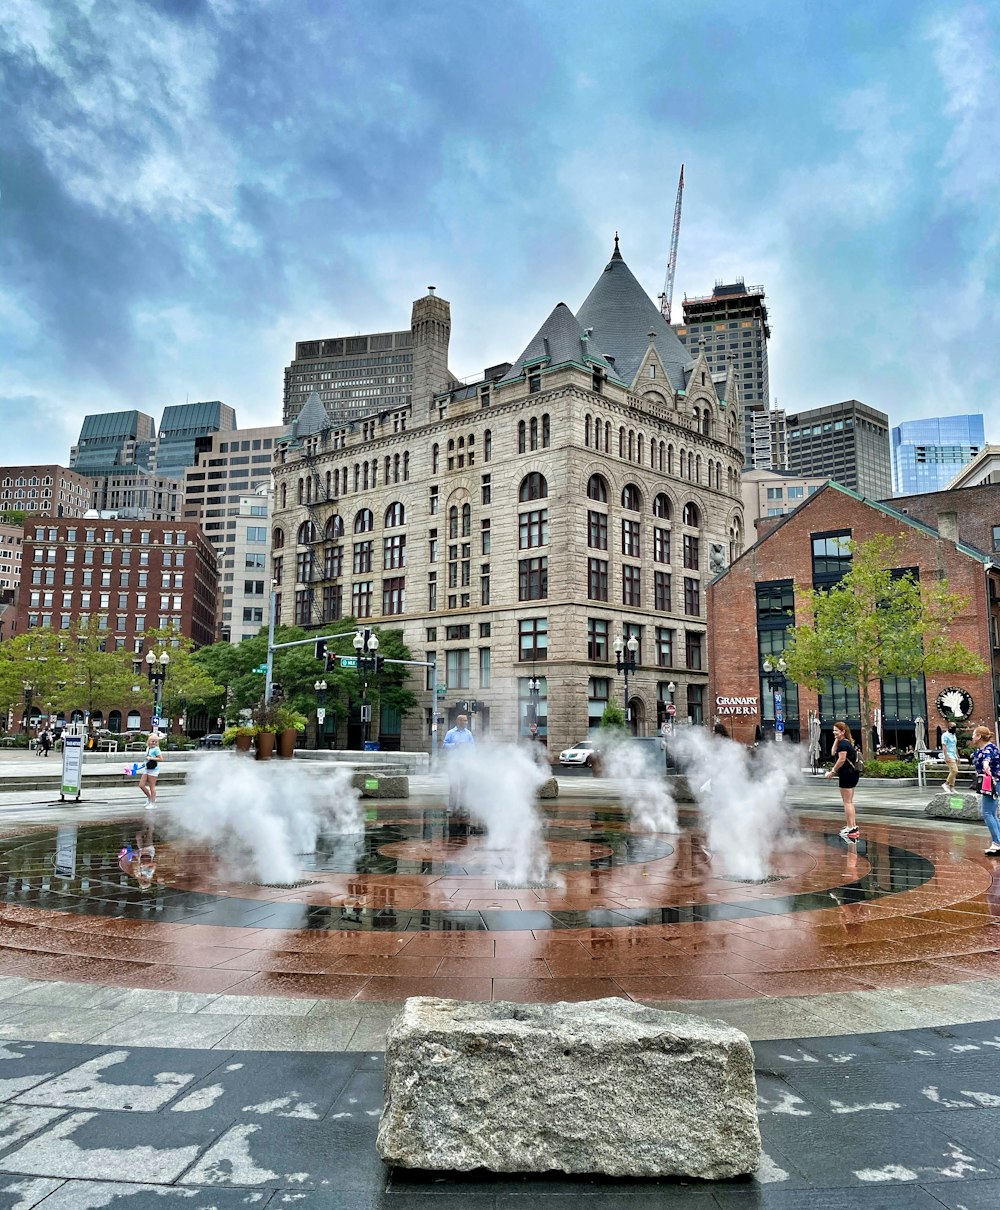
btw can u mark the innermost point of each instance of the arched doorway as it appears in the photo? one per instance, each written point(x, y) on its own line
point(637, 709)
point(115, 722)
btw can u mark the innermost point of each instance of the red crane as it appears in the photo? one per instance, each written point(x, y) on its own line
point(667, 297)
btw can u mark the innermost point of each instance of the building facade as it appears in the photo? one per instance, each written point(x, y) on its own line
point(772, 494)
point(984, 468)
point(928, 454)
point(513, 527)
point(847, 442)
point(971, 512)
point(756, 602)
point(44, 489)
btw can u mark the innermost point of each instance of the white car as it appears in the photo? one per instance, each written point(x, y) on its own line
point(580, 754)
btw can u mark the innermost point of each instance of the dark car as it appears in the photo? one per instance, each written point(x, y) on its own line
point(214, 740)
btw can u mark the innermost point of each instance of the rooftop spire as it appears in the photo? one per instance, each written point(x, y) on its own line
point(616, 255)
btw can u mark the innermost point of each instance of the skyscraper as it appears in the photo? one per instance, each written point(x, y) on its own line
point(847, 442)
point(927, 454)
point(730, 327)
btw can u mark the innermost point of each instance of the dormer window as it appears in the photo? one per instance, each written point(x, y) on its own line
point(534, 380)
point(651, 371)
point(598, 380)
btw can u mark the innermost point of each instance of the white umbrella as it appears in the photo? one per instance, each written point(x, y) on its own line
point(814, 736)
point(920, 745)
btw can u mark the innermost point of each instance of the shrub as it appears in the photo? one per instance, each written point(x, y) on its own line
point(890, 769)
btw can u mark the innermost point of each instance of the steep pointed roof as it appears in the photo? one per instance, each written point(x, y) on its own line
point(313, 417)
point(622, 315)
point(560, 341)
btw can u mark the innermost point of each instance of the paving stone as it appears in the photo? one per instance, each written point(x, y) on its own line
point(96, 1195)
point(18, 1123)
point(896, 1197)
point(258, 1006)
point(289, 1033)
point(24, 1192)
point(292, 1086)
point(977, 1129)
point(971, 1195)
point(169, 1029)
point(25, 1064)
point(45, 1023)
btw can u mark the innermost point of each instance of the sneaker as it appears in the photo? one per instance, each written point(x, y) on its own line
point(853, 834)
point(846, 831)
point(992, 851)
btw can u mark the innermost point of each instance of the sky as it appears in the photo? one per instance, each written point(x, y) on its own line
point(187, 187)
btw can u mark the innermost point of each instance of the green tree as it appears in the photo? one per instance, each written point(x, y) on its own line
point(32, 659)
point(95, 677)
point(189, 685)
point(874, 624)
point(13, 516)
point(613, 718)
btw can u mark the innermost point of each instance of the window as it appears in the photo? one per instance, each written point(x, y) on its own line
point(534, 381)
point(487, 493)
point(363, 556)
point(661, 506)
point(394, 551)
point(394, 595)
point(691, 515)
point(257, 533)
point(333, 602)
point(631, 585)
point(303, 606)
point(598, 696)
point(486, 537)
point(533, 639)
point(691, 552)
point(597, 579)
point(395, 515)
point(304, 566)
point(432, 591)
point(533, 529)
point(597, 530)
point(630, 539)
point(661, 591)
point(533, 487)
point(839, 700)
point(597, 639)
point(903, 698)
point(661, 545)
point(484, 668)
point(696, 704)
point(597, 489)
point(692, 597)
point(631, 630)
point(361, 598)
point(664, 647)
point(693, 649)
point(364, 521)
point(831, 557)
point(484, 584)
point(533, 579)
point(631, 498)
point(457, 669)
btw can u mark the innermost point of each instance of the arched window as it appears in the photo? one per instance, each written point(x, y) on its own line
point(364, 476)
point(697, 468)
point(663, 457)
point(533, 487)
point(661, 506)
point(395, 514)
point(639, 448)
point(692, 515)
point(406, 466)
point(607, 436)
point(466, 520)
point(453, 522)
point(546, 432)
point(487, 445)
point(334, 527)
point(435, 458)
point(306, 534)
point(586, 431)
point(364, 521)
point(284, 496)
point(395, 470)
point(522, 444)
point(277, 537)
point(597, 489)
point(301, 491)
point(534, 432)
point(621, 443)
point(631, 498)
point(329, 483)
point(706, 422)
point(631, 446)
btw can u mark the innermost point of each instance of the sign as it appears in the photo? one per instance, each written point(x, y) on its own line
point(664, 729)
point(736, 705)
point(72, 770)
point(348, 661)
point(259, 668)
point(320, 714)
point(778, 698)
point(442, 690)
point(955, 704)
point(671, 709)
point(779, 725)
point(371, 783)
point(366, 714)
point(154, 722)
point(66, 852)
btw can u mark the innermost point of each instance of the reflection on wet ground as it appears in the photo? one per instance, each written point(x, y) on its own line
point(420, 904)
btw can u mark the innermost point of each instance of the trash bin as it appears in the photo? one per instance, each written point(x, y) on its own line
point(372, 745)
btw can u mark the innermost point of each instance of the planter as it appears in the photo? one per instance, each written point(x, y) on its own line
point(286, 743)
point(265, 745)
point(243, 742)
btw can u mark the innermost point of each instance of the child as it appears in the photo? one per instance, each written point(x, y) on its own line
point(154, 758)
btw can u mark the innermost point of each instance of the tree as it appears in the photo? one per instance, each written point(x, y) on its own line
point(95, 678)
point(189, 685)
point(13, 516)
point(613, 718)
point(31, 664)
point(876, 623)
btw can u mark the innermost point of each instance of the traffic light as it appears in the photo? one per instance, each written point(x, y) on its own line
point(331, 660)
point(321, 652)
point(277, 693)
point(379, 663)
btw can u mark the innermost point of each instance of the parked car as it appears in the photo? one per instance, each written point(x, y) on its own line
point(214, 740)
point(580, 754)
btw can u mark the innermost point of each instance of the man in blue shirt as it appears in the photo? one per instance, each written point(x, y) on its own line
point(458, 742)
point(949, 745)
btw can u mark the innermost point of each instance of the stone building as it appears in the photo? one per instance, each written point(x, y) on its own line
point(514, 526)
point(755, 603)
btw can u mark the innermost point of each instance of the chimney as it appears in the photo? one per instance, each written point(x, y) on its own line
point(947, 526)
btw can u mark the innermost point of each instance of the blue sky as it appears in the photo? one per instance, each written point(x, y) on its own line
point(189, 186)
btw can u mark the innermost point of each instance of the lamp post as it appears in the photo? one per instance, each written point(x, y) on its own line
point(29, 691)
point(320, 688)
point(625, 656)
point(774, 671)
point(534, 690)
point(366, 645)
point(156, 672)
point(671, 705)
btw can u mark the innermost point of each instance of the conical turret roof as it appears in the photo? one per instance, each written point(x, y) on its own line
point(560, 341)
point(622, 316)
point(313, 418)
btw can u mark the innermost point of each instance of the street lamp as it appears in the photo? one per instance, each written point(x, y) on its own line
point(366, 645)
point(671, 708)
point(774, 671)
point(625, 656)
point(534, 691)
point(320, 688)
point(29, 691)
point(156, 672)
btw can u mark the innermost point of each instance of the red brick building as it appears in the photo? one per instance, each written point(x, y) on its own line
point(755, 602)
point(133, 576)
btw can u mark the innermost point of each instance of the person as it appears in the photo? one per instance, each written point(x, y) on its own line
point(986, 759)
point(45, 741)
point(949, 745)
point(154, 758)
point(458, 742)
point(845, 756)
point(140, 862)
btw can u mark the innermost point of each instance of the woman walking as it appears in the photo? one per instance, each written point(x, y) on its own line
point(154, 758)
point(986, 760)
point(845, 756)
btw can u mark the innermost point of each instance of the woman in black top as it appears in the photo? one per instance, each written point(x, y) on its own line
point(845, 756)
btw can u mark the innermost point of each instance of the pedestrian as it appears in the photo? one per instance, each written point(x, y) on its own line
point(845, 756)
point(986, 760)
point(949, 745)
point(151, 771)
point(458, 743)
point(45, 741)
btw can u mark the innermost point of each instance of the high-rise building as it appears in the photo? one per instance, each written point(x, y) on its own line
point(514, 527)
point(927, 454)
point(847, 442)
point(183, 429)
point(48, 489)
point(228, 491)
point(730, 327)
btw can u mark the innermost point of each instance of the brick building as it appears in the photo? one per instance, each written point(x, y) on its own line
point(976, 512)
point(133, 576)
point(49, 489)
point(754, 603)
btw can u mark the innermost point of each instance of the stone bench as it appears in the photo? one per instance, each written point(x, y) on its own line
point(377, 785)
point(605, 1086)
point(549, 788)
point(959, 804)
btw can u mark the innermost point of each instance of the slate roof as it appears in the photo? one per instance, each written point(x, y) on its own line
point(622, 315)
point(313, 417)
point(559, 341)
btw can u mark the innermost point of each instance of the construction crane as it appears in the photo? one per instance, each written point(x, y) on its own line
point(667, 297)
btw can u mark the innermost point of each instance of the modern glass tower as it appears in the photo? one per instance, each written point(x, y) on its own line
point(928, 454)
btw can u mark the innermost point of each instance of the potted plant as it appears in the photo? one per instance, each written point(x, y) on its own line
point(288, 724)
point(242, 737)
point(265, 719)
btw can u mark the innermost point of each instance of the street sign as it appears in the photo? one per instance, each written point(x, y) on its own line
point(664, 729)
point(259, 668)
point(72, 770)
point(154, 722)
point(442, 690)
point(778, 699)
point(348, 661)
point(671, 709)
point(366, 714)
point(779, 725)
point(320, 714)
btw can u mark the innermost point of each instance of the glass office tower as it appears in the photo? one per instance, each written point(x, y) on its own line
point(928, 454)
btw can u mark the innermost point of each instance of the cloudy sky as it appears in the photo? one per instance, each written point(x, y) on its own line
point(189, 186)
